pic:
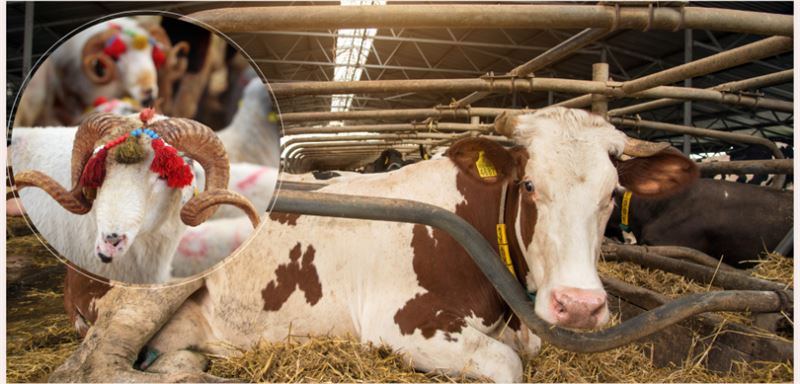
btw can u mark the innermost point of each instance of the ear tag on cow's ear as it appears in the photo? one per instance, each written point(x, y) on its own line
point(484, 166)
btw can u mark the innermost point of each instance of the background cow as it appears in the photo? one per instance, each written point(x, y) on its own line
point(732, 221)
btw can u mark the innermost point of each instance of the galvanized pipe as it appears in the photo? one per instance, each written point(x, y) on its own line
point(484, 256)
point(561, 16)
point(733, 86)
point(600, 101)
point(552, 55)
point(703, 132)
point(786, 245)
point(508, 85)
point(644, 256)
point(747, 167)
point(289, 153)
point(386, 114)
point(433, 127)
point(727, 59)
point(380, 136)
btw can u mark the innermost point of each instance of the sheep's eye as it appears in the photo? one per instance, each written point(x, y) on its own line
point(528, 185)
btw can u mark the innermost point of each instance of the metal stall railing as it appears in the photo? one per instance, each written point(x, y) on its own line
point(373, 208)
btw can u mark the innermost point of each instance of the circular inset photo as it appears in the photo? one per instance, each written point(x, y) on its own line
point(144, 149)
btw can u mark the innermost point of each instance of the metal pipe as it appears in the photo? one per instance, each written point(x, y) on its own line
point(530, 84)
point(786, 245)
point(484, 256)
point(600, 101)
point(733, 86)
point(381, 136)
point(642, 255)
point(561, 16)
point(552, 55)
point(27, 39)
point(433, 127)
point(747, 167)
point(727, 59)
point(383, 114)
point(703, 132)
point(687, 105)
point(693, 255)
point(289, 153)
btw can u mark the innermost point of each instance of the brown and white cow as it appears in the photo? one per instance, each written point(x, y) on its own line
point(409, 286)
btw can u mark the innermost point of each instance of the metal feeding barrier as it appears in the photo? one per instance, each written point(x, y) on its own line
point(645, 324)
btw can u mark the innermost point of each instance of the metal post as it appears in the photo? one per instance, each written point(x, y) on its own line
point(687, 105)
point(600, 101)
point(27, 40)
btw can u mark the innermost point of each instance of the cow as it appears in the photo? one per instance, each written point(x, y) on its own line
point(731, 221)
point(407, 286)
point(389, 160)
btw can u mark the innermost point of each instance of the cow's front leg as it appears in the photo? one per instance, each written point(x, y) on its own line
point(128, 318)
point(470, 352)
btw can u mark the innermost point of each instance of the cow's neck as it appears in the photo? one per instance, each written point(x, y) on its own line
point(510, 213)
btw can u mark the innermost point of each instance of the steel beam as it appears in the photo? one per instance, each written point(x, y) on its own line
point(544, 16)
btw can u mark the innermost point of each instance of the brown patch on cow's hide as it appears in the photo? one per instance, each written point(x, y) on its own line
point(289, 277)
point(456, 287)
point(284, 218)
point(80, 291)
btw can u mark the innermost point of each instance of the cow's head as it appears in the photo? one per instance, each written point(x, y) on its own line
point(132, 178)
point(565, 169)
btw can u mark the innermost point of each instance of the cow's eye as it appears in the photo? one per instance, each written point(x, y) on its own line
point(528, 185)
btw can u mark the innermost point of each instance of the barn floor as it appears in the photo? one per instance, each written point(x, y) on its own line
point(40, 338)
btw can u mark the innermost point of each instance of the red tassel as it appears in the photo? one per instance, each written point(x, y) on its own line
point(158, 56)
point(116, 48)
point(100, 100)
point(166, 160)
point(146, 115)
point(95, 170)
point(180, 177)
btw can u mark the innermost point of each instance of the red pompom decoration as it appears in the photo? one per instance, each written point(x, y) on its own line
point(166, 160)
point(146, 115)
point(115, 48)
point(100, 100)
point(180, 177)
point(95, 170)
point(159, 58)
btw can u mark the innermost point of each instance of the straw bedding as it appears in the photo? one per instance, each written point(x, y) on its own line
point(40, 338)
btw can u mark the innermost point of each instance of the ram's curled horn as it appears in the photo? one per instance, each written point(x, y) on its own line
point(504, 124)
point(192, 212)
point(201, 144)
point(98, 66)
point(76, 204)
point(95, 127)
point(177, 60)
point(641, 148)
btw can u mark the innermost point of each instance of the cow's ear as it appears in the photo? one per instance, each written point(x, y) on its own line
point(482, 160)
point(665, 173)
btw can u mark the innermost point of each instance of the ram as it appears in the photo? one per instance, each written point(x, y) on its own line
point(128, 205)
point(109, 60)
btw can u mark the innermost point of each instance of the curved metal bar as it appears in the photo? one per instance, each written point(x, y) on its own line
point(374, 208)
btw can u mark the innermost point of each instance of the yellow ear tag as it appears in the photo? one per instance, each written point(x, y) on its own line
point(484, 166)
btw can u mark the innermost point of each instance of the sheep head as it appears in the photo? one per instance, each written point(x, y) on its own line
point(127, 54)
point(119, 175)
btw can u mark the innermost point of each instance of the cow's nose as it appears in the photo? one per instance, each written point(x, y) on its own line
point(113, 238)
point(579, 308)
